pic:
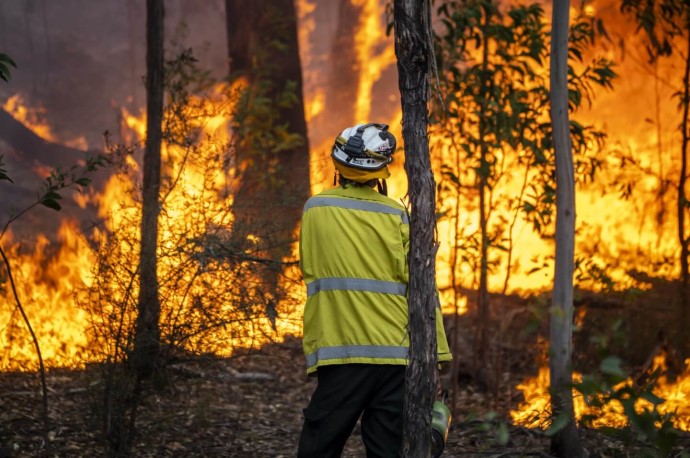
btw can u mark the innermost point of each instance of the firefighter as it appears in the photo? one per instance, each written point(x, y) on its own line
point(353, 256)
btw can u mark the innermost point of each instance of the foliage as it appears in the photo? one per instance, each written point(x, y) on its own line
point(495, 127)
point(3, 172)
point(661, 21)
point(262, 134)
point(5, 63)
point(665, 24)
point(493, 426)
point(611, 387)
point(76, 177)
point(211, 289)
point(612, 392)
point(56, 182)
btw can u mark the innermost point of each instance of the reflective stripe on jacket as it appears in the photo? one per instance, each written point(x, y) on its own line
point(353, 255)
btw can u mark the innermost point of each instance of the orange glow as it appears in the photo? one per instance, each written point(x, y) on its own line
point(535, 410)
point(50, 276)
point(33, 119)
point(194, 183)
point(45, 283)
point(313, 101)
point(370, 37)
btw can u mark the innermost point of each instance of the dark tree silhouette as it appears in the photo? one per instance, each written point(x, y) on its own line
point(272, 151)
point(414, 50)
point(147, 336)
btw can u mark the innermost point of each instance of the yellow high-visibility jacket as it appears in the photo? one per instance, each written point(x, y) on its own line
point(353, 255)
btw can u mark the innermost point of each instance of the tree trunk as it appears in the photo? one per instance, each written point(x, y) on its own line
point(482, 322)
point(566, 442)
point(147, 338)
point(346, 66)
point(682, 204)
point(415, 56)
point(262, 206)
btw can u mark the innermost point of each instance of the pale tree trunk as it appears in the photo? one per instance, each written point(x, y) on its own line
point(415, 57)
point(147, 338)
point(566, 442)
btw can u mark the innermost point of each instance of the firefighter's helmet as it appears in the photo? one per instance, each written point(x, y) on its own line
point(363, 152)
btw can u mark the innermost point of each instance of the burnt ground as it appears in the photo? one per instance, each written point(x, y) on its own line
point(245, 406)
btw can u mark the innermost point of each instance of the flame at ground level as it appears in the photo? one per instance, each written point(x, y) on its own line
point(47, 280)
point(59, 283)
point(534, 411)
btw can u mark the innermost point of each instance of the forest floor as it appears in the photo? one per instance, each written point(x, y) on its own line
point(251, 405)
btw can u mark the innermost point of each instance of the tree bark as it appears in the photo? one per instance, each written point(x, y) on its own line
point(683, 202)
point(344, 79)
point(415, 56)
point(566, 442)
point(481, 341)
point(147, 337)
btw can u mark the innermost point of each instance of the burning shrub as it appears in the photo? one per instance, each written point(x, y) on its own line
point(217, 290)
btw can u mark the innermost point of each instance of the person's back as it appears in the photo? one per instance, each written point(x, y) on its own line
point(353, 255)
point(354, 245)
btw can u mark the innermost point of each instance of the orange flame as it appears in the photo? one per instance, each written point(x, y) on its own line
point(536, 407)
point(45, 282)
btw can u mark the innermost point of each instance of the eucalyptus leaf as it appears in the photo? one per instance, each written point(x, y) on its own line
point(611, 365)
point(558, 424)
point(51, 204)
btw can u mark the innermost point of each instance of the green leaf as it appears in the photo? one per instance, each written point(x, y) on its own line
point(652, 398)
point(51, 204)
point(5, 63)
point(589, 386)
point(52, 195)
point(502, 434)
point(83, 182)
point(612, 366)
point(4, 58)
point(4, 176)
point(4, 72)
point(560, 422)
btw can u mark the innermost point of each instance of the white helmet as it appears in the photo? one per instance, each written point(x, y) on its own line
point(368, 147)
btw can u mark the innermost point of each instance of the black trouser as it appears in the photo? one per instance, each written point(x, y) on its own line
point(343, 393)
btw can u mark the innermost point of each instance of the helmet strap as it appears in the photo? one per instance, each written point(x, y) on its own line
point(382, 187)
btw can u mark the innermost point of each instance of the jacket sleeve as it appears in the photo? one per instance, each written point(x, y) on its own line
point(441, 341)
point(442, 346)
point(305, 260)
